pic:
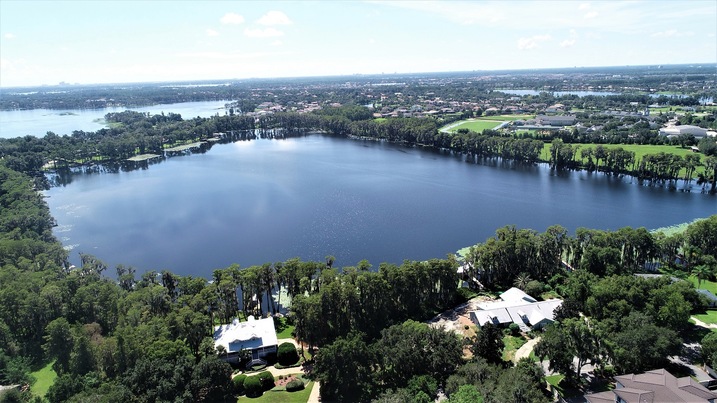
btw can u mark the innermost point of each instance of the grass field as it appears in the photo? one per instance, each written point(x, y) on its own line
point(639, 150)
point(282, 396)
point(710, 286)
point(283, 329)
point(710, 317)
point(512, 344)
point(44, 378)
point(477, 125)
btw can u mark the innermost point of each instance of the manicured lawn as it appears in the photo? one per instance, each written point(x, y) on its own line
point(283, 329)
point(710, 317)
point(512, 344)
point(639, 150)
point(282, 396)
point(44, 378)
point(477, 125)
point(711, 286)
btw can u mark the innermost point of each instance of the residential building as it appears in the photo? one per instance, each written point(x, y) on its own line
point(674, 131)
point(557, 120)
point(656, 386)
point(258, 336)
point(515, 306)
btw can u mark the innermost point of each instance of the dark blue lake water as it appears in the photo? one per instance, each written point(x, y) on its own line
point(261, 201)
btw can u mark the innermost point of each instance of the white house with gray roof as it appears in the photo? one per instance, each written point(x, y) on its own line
point(258, 336)
point(515, 306)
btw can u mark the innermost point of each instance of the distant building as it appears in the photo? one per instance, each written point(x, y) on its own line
point(557, 120)
point(517, 307)
point(258, 336)
point(674, 131)
point(655, 386)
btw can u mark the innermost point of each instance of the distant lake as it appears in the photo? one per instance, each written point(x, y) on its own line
point(253, 202)
point(596, 93)
point(560, 93)
point(37, 122)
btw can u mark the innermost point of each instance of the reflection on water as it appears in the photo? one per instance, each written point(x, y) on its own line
point(271, 200)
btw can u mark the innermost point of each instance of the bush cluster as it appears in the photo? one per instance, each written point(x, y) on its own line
point(295, 385)
point(252, 386)
point(238, 384)
point(287, 354)
point(266, 379)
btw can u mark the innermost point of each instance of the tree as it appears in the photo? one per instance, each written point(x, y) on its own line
point(412, 349)
point(344, 368)
point(641, 344)
point(466, 394)
point(58, 344)
point(211, 380)
point(488, 343)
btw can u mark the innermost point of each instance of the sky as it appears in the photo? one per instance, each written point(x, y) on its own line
point(88, 42)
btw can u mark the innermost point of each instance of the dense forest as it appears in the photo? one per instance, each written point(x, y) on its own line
point(147, 337)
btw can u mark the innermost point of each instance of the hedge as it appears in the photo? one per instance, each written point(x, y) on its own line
point(252, 386)
point(238, 383)
point(266, 379)
point(295, 385)
point(287, 354)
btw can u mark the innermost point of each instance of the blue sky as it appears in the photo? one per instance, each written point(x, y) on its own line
point(46, 42)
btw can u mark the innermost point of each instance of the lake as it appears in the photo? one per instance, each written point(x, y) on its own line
point(252, 202)
point(37, 122)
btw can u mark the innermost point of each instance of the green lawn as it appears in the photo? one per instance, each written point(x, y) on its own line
point(283, 329)
point(710, 317)
point(477, 125)
point(639, 150)
point(512, 344)
point(711, 286)
point(44, 378)
point(281, 396)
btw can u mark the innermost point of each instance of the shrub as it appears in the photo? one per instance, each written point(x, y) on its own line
point(238, 383)
point(252, 386)
point(287, 354)
point(295, 385)
point(266, 379)
point(534, 288)
point(514, 329)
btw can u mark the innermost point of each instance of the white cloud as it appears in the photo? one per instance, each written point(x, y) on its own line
point(571, 40)
point(10, 36)
point(671, 33)
point(232, 18)
point(584, 6)
point(269, 32)
point(532, 42)
point(274, 18)
point(211, 32)
point(590, 15)
point(277, 43)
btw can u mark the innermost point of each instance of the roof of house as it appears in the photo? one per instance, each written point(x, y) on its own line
point(534, 313)
point(707, 294)
point(252, 334)
point(652, 387)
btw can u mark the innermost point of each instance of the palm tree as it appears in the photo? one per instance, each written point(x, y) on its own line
point(522, 280)
point(703, 272)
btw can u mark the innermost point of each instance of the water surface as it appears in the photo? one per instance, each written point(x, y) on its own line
point(37, 122)
point(253, 202)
